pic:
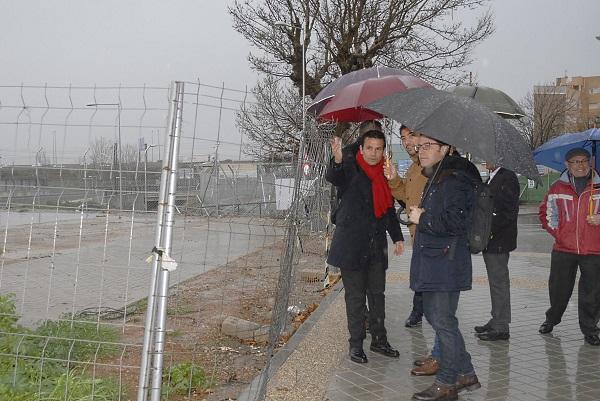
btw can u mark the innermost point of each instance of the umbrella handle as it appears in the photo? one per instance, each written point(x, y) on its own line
point(591, 201)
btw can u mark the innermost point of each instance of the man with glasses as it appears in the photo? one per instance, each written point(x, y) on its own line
point(570, 212)
point(441, 261)
point(409, 191)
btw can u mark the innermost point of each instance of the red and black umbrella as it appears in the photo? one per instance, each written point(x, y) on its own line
point(330, 90)
point(349, 103)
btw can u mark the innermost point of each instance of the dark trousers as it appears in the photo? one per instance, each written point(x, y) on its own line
point(440, 311)
point(358, 286)
point(563, 270)
point(418, 303)
point(496, 265)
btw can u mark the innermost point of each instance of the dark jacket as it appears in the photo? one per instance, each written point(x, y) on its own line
point(359, 238)
point(504, 189)
point(441, 259)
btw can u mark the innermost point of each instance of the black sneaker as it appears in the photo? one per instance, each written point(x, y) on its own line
point(414, 320)
point(493, 335)
point(546, 327)
point(483, 329)
point(592, 339)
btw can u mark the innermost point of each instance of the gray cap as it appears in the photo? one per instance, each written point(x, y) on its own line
point(576, 152)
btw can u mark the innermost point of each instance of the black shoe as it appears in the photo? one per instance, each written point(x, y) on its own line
point(483, 329)
point(385, 349)
point(358, 355)
point(546, 327)
point(493, 335)
point(592, 339)
point(414, 319)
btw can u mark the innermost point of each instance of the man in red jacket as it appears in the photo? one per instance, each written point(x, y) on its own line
point(570, 212)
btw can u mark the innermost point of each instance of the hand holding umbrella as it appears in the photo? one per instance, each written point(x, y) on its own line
point(389, 170)
point(593, 219)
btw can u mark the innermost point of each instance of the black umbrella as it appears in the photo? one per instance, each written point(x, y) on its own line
point(462, 122)
point(496, 100)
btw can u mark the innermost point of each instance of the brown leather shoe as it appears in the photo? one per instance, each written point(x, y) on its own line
point(437, 392)
point(421, 361)
point(467, 382)
point(429, 368)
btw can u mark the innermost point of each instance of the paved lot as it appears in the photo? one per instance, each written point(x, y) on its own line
point(529, 366)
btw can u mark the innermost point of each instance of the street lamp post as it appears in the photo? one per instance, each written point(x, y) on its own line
point(303, 39)
point(120, 154)
point(146, 148)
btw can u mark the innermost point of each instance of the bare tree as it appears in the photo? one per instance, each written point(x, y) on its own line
point(271, 124)
point(100, 153)
point(548, 110)
point(420, 36)
point(103, 154)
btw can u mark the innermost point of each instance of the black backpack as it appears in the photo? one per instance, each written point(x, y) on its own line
point(480, 225)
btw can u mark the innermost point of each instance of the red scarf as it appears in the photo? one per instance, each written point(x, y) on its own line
point(382, 196)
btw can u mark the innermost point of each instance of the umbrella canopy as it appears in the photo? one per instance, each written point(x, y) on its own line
point(330, 90)
point(496, 100)
point(348, 103)
point(552, 153)
point(462, 122)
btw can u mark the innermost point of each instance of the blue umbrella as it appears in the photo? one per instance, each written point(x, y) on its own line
point(552, 153)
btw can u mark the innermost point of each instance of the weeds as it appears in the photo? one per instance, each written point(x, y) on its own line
point(185, 378)
point(41, 364)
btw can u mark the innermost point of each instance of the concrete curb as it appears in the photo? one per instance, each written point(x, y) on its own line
point(251, 392)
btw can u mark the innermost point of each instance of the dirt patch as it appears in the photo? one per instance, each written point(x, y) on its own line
point(244, 288)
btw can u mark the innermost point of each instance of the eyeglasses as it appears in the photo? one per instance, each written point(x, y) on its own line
point(426, 146)
point(579, 162)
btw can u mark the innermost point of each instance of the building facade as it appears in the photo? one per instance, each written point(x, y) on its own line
point(584, 92)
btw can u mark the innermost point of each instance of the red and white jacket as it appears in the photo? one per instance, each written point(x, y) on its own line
point(563, 214)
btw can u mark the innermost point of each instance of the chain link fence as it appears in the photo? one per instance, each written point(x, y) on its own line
point(97, 301)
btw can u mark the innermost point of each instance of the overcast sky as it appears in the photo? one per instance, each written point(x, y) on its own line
point(155, 41)
point(131, 42)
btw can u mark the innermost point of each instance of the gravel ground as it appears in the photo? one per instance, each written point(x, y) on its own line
point(305, 374)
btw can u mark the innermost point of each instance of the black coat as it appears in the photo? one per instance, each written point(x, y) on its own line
point(359, 238)
point(504, 188)
point(441, 259)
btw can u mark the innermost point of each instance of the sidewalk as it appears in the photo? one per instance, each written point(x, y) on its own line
point(530, 366)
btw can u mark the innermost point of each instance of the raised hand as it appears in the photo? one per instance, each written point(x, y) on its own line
point(336, 148)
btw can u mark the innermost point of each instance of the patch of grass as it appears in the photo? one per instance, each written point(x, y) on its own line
point(175, 333)
point(185, 378)
point(180, 309)
point(79, 341)
point(41, 364)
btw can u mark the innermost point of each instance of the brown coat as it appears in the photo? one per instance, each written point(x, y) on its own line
point(410, 189)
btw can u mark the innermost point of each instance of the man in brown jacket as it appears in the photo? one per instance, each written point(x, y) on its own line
point(409, 191)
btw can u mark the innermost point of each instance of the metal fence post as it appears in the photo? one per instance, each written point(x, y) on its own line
point(154, 332)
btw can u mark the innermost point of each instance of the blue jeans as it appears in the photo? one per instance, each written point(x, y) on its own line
point(435, 351)
point(440, 311)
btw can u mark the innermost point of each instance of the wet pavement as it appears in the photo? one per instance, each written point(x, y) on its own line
point(529, 366)
point(102, 262)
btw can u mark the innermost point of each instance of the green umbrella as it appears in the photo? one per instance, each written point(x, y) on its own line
point(496, 100)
